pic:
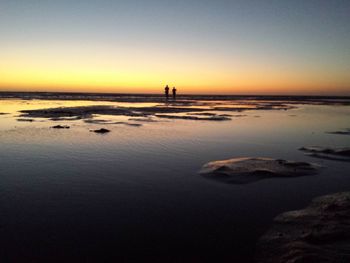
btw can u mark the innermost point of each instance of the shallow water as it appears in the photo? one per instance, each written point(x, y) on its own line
point(135, 193)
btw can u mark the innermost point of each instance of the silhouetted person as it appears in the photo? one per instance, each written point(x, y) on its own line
point(166, 92)
point(174, 93)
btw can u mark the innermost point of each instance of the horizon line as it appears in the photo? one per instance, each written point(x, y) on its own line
point(183, 94)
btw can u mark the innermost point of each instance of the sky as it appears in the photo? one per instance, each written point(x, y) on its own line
point(199, 46)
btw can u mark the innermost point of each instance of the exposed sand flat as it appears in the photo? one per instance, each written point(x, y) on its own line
point(246, 169)
point(318, 233)
point(196, 111)
point(81, 112)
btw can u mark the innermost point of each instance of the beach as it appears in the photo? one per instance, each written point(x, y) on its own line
point(135, 191)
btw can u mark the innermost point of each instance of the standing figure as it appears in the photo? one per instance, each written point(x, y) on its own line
point(166, 92)
point(174, 93)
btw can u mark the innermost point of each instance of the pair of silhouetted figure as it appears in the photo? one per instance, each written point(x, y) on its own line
point(167, 92)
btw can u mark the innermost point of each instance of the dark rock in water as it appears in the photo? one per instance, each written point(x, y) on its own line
point(133, 124)
point(60, 127)
point(196, 118)
point(93, 121)
point(237, 115)
point(143, 119)
point(337, 151)
point(69, 118)
point(247, 170)
point(230, 115)
point(25, 120)
point(102, 130)
point(337, 154)
point(203, 114)
point(344, 132)
point(3, 113)
point(318, 233)
point(128, 123)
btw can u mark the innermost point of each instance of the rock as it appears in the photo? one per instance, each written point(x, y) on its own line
point(60, 127)
point(247, 170)
point(237, 115)
point(25, 120)
point(3, 113)
point(196, 118)
point(203, 114)
point(337, 154)
point(93, 121)
point(337, 151)
point(132, 124)
point(318, 233)
point(102, 130)
point(343, 132)
point(69, 118)
point(143, 119)
point(210, 114)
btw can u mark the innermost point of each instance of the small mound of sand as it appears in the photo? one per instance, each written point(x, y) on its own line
point(318, 233)
point(247, 170)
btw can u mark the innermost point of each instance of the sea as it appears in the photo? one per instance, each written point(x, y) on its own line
point(135, 194)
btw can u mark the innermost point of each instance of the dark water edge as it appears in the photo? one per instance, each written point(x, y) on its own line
point(124, 97)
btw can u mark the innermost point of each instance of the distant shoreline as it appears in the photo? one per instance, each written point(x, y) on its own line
point(139, 97)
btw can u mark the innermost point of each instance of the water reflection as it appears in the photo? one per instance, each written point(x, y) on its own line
point(135, 191)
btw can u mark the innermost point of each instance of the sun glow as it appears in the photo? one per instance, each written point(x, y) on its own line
point(128, 69)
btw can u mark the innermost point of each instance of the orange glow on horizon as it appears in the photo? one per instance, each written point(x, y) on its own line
point(76, 69)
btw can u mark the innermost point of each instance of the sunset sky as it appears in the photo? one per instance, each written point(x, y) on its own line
point(200, 46)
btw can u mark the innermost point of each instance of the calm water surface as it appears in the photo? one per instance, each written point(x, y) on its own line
point(135, 194)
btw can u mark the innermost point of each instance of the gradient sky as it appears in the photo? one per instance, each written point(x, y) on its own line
point(233, 47)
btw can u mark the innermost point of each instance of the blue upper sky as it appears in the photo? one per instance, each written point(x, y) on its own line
point(308, 35)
